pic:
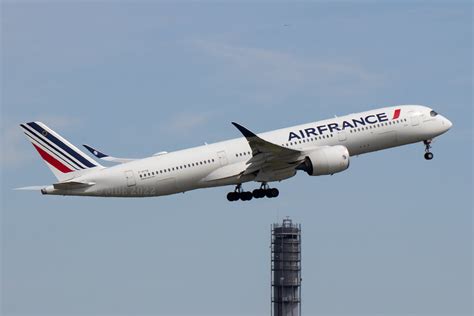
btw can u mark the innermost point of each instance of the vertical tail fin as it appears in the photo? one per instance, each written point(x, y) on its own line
point(64, 159)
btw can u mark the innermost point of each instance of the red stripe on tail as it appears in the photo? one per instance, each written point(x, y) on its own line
point(396, 114)
point(52, 161)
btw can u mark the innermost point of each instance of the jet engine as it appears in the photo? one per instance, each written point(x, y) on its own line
point(326, 160)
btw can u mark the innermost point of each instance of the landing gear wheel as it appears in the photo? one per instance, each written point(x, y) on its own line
point(236, 195)
point(233, 196)
point(274, 192)
point(246, 196)
point(428, 155)
point(258, 193)
point(263, 191)
point(268, 194)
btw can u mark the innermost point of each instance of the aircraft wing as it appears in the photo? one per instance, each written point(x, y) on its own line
point(106, 157)
point(267, 157)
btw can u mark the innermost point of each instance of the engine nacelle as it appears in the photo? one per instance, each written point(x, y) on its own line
point(326, 160)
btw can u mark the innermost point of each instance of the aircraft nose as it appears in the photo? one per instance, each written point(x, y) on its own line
point(447, 123)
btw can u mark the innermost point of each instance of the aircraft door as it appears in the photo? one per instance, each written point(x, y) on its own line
point(130, 178)
point(222, 158)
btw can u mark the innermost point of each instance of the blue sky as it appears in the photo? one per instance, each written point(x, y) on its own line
point(390, 236)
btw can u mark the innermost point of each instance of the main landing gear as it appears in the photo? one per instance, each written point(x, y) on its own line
point(428, 153)
point(264, 191)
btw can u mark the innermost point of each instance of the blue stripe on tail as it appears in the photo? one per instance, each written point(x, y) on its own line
point(63, 146)
point(51, 147)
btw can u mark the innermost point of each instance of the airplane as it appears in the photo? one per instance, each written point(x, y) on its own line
point(318, 148)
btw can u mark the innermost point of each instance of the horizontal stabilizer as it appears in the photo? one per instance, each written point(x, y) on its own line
point(71, 185)
point(106, 157)
point(32, 188)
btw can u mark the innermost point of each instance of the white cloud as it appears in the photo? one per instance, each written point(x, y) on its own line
point(14, 147)
point(275, 73)
point(57, 122)
point(186, 123)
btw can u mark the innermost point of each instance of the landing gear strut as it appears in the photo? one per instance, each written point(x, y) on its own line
point(264, 191)
point(428, 153)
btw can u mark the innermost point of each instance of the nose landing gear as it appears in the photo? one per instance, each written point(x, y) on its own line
point(428, 153)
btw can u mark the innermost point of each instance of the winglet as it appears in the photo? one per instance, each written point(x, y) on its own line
point(95, 152)
point(244, 131)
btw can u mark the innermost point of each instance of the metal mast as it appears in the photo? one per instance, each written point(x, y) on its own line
point(286, 268)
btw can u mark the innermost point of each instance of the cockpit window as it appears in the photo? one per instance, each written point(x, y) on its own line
point(433, 113)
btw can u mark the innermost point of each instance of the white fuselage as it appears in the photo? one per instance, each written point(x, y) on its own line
point(219, 163)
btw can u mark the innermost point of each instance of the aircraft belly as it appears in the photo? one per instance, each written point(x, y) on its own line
point(166, 186)
point(373, 142)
